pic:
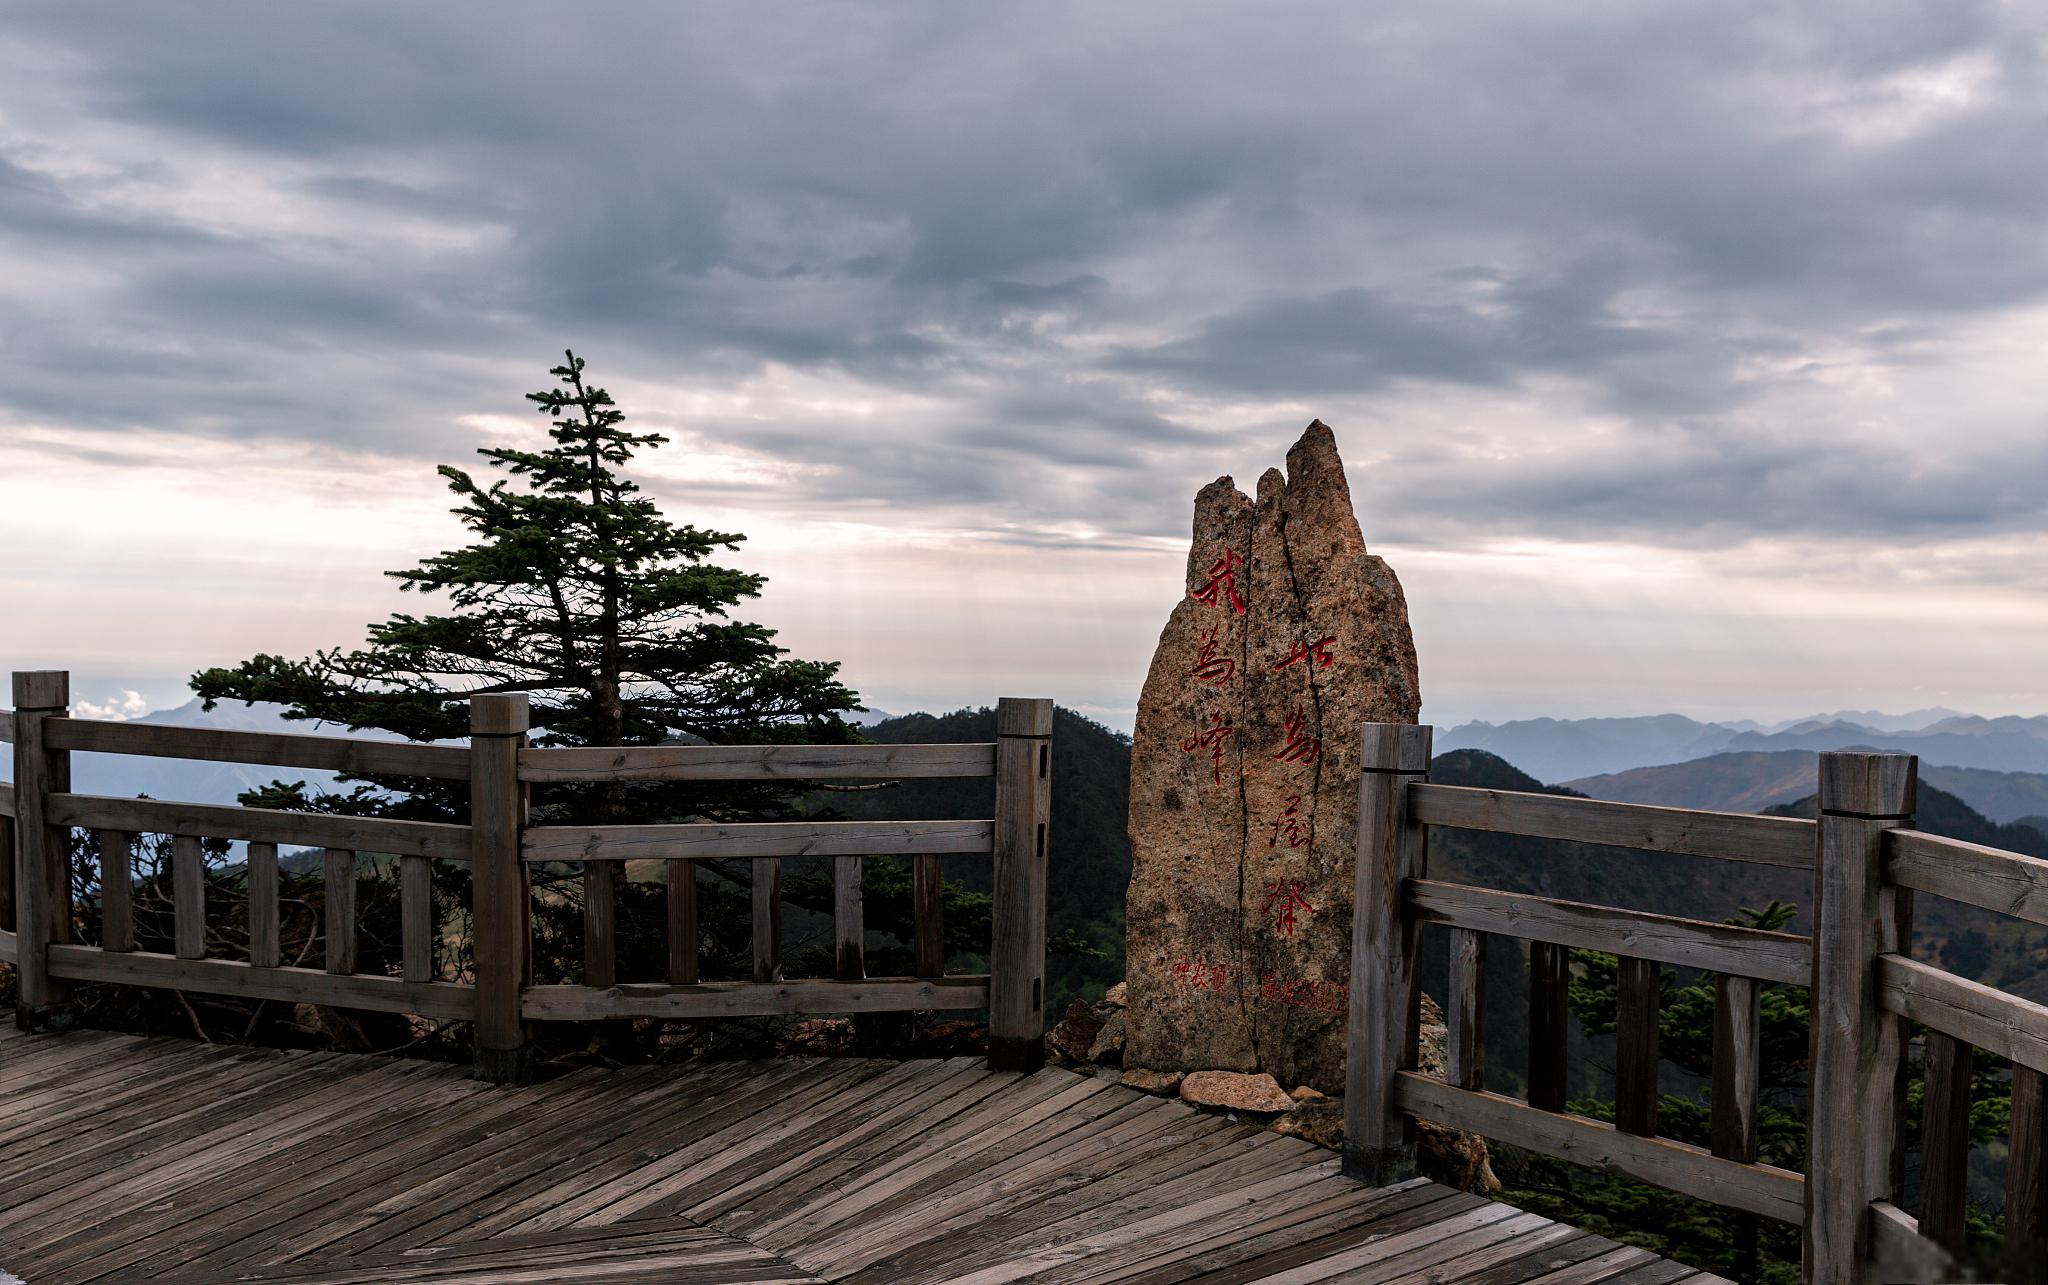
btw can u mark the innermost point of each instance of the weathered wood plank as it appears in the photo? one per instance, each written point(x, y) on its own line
point(1016, 1002)
point(1667, 939)
point(2002, 1025)
point(1549, 1024)
point(1378, 1140)
point(758, 840)
point(1676, 1166)
point(7, 897)
point(1635, 1046)
point(1945, 1141)
point(1853, 1075)
point(188, 896)
point(1730, 836)
point(1738, 1068)
point(232, 977)
point(42, 847)
point(765, 896)
point(265, 947)
point(263, 825)
point(1464, 1009)
point(275, 749)
point(1898, 1252)
point(2026, 1167)
point(501, 932)
point(755, 762)
point(755, 999)
point(416, 918)
point(682, 923)
point(849, 927)
point(6, 727)
point(600, 923)
point(928, 911)
point(1991, 878)
point(117, 889)
point(338, 897)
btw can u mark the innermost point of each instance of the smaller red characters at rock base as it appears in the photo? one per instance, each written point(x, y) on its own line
point(1199, 974)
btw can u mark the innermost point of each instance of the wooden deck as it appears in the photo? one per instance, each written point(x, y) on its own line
point(123, 1159)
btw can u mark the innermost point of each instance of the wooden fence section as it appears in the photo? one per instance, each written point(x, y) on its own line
point(40, 814)
point(1865, 987)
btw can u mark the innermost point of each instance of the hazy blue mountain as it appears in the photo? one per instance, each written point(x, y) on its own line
point(1556, 749)
point(1751, 781)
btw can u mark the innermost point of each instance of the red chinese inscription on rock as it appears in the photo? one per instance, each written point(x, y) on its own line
point(1318, 650)
point(1305, 992)
point(1300, 747)
point(1199, 974)
point(1211, 738)
point(1211, 667)
point(1222, 586)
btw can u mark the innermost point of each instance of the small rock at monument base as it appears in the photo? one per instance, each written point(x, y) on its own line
point(1075, 1035)
point(1109, 1041)
point(1306, 1094)
point(1164, 1083)
point(1320, 1121)
point(1236, 1091)
point(1117, 994)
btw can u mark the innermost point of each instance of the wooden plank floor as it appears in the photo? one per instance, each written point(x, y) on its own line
point(123, 1159)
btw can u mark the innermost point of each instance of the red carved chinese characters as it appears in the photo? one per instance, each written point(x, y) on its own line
point(1320, 650)
point(1290, 824)
point(1211, 739)
point(1300, 747)
point(1200, 974)
point(1222, 586)
point(1304, 992)
point(1282, 900)
point(1210, 667)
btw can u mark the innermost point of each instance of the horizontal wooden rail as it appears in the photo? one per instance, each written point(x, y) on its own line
point(1898, 1250)
point(446, 1000)
point(1731, 836)
point(1675, 1166)
point(6, 727)
point(1636, 934)
point(709, 840)
point(1989, 878)
point(2001, 1024)
point(754, 999)
point(262, 825)
point(755, 762)
point(6, 946)
point(276, 749)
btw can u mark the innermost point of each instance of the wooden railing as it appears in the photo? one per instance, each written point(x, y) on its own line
point(40, 812)
point(1865, 990)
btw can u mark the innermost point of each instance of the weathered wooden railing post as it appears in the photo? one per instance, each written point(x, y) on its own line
point(1856, 1045)
point(42, 850)
point(502, 934)
point(1377, 1138)
point(1016, 964)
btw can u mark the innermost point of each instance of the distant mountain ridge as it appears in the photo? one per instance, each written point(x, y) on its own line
point(1553, 749)
point(1753, 780)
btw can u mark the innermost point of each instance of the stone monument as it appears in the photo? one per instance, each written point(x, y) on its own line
point(1244, 778)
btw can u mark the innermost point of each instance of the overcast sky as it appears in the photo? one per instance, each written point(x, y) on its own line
point(1683, 357)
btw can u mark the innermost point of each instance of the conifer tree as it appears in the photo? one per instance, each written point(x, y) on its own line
point(577, 591)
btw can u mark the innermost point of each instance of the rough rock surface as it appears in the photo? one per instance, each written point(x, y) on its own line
point(1164, 1083)
point(1235, 1091)
point(1244, 774)
point(1073, 1039)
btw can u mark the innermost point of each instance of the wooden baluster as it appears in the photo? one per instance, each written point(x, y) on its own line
point(928, 912)
point(1465, 1010)
point(42, 852)
point(1016, 964)
point(1378, 1137)
point(1738, 1069)
point(1855, 1044)
point(1549, 1018)
point(117, 890)
point(265, 947)
point(340, 900)
point(416, 918)
point(188, 896)
point(849, 927)
point(1945, 1141)
point(7, 898)
point(2026, 1169)
point(502, 927)
point(682, 923)
point(600, 923)
point(1635, 1045)
point(767, 896)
